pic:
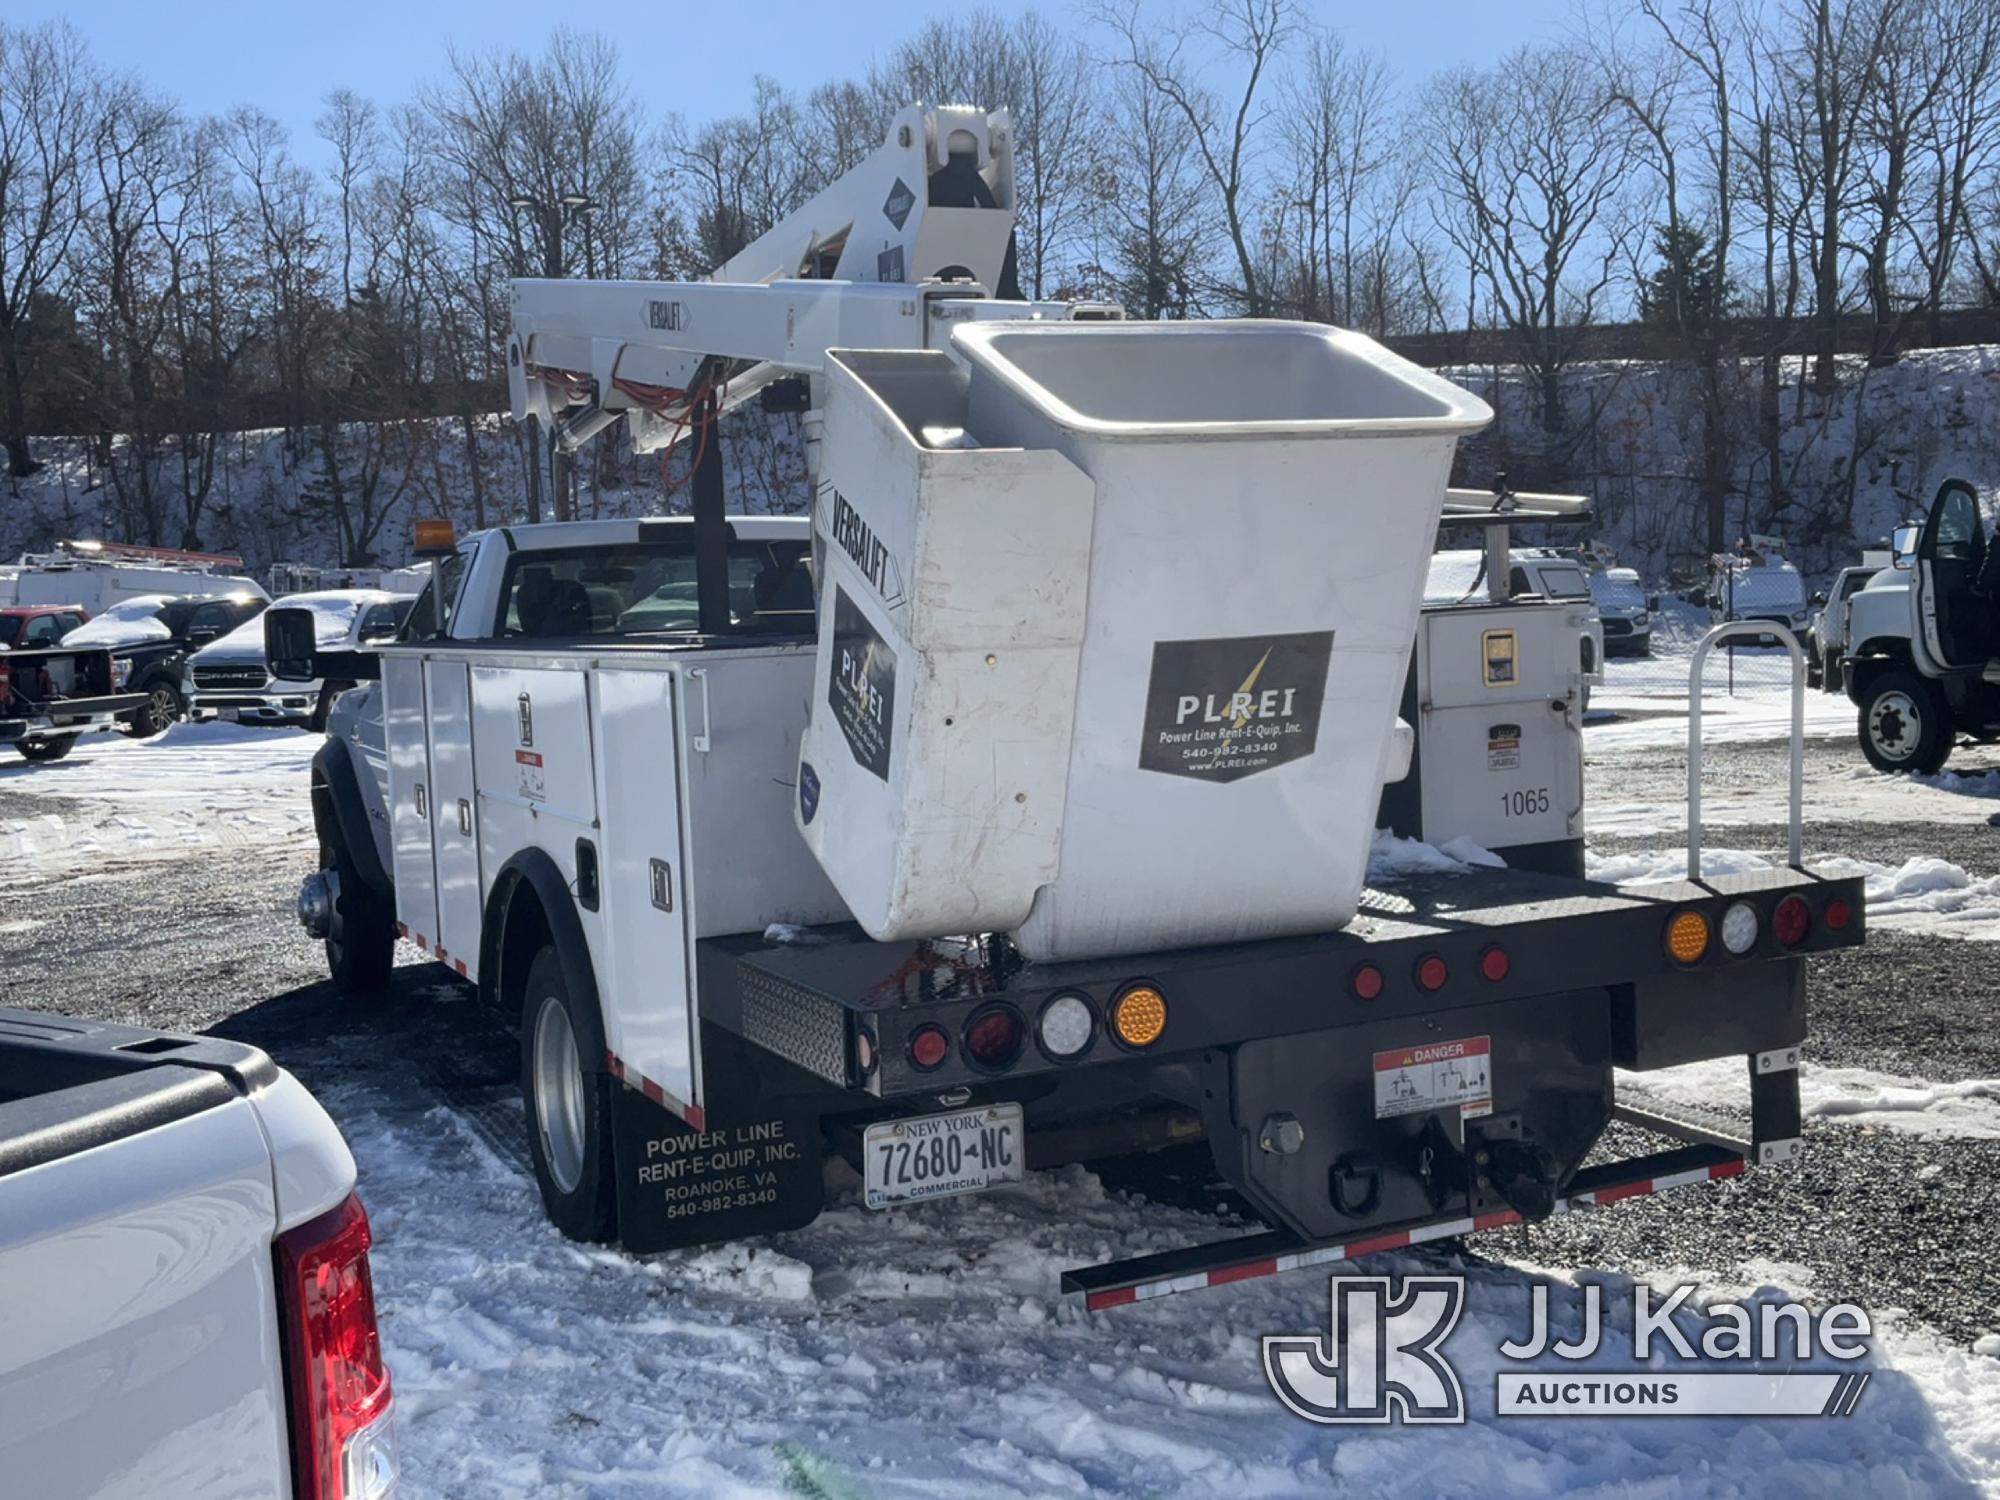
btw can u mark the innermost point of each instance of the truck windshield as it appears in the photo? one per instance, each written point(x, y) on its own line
point(649, 588)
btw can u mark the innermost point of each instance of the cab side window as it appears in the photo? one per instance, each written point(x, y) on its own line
point(1960, 537)
point(1517, 583)
point(43, 630)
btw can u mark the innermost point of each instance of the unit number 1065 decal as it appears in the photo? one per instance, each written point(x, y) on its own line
point(1524, 804)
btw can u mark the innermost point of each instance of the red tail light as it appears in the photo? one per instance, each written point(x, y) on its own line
point(1791, 921)
point(1432, 972)
point(993, 1038)
point(338, 1386)
point(928, 1047)
point(1837, 914)
point(1494, 964)
point(1365, 983)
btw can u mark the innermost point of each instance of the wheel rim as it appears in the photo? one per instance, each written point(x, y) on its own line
point(558, 1094)
point(162, 707)
point(1895, 725)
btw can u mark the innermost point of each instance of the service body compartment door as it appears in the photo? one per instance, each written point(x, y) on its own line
point(406, 730)
point(1500, 695)
point(454, 820)
point(648, 992)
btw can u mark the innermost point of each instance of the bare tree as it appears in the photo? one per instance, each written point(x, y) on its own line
point(1530, 158)
point(1154, 230)
point(349, 126)
point(1225, 137)
point(45, 89)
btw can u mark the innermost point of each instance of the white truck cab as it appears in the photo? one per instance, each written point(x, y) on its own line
point(1924, 636)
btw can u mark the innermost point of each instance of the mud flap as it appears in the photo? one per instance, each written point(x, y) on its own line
point(732, 1179)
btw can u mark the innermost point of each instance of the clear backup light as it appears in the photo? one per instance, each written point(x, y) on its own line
point(1066, 1026)
point(1739, 928)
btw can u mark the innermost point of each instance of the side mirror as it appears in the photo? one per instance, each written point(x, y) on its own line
point(291, 648)
point(1653, 603)
point(202, 635)
point(1903, 544)
point(1819, 599)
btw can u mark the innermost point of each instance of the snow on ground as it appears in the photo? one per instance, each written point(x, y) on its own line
point(922, 1352)
point(124, 800)
point(1968, 1109)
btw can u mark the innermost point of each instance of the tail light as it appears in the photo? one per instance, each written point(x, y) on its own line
point(1365, 982)
point(1139, 1015)
point(6, 683)
point(1494, 964)
point(929, 1047)
point(1791, 921)
point(337, 1384)
point(1837, 914)
point(993, 1037)
point(1432, 972)
point(1687, 936)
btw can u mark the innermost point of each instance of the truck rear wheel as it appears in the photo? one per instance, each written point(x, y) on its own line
point(569, 1106)
point(1905, 724)
point(361, 930)
point(54, 749)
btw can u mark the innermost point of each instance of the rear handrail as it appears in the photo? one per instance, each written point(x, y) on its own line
point(1708, 643)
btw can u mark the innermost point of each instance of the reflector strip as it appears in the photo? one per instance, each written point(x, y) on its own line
point(1322, 1255)
point(694, 1114)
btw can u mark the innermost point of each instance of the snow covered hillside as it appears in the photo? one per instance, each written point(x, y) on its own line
point(1867, 457)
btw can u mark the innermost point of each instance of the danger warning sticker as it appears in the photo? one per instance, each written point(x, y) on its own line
point(528, 768)
point(1436, 1075)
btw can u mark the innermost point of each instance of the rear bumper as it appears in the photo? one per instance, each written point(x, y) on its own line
point(69, 716)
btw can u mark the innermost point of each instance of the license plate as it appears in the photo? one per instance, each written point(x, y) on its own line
point(941, 1156)
point(231, 714)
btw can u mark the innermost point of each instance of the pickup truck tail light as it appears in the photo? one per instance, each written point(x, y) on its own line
point(337, 1385)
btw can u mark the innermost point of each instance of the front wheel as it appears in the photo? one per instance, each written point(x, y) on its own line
point(46, 750)
point(569, 1106)
point(1905, 724)
point(161, 708)
point(360, 930)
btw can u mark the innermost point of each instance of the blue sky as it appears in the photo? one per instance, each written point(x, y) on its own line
point(697, 60)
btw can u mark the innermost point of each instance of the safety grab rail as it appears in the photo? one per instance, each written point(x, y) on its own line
point(1723, 632)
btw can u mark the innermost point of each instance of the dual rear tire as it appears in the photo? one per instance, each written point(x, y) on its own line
point(569, 1104)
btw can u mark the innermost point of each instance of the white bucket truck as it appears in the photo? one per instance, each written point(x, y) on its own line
point(1020, 809)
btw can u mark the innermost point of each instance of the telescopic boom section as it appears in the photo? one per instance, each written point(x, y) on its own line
point(933, 204)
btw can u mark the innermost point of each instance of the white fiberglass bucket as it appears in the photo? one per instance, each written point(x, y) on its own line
point(1114, 624)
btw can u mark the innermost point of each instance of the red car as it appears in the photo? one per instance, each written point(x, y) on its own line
point(30, 627)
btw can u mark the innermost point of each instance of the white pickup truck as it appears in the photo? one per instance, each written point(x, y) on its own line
point(185, 1302)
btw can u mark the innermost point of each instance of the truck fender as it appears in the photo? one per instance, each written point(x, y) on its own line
point(1870, 660)
point(334, 775)
point(531, 897)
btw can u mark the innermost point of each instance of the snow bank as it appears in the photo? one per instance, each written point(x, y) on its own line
point(1963, 1109)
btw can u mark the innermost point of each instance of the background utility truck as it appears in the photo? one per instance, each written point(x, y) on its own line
point(1019, 811)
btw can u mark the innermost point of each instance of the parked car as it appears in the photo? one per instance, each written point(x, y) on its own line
point(152, 637)
point(1757, 585)
point(30, 627)
point(229, 678)
point(1622, 611)
point(184, 1278)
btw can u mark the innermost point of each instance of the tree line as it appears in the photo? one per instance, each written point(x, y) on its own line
point(1742, 179)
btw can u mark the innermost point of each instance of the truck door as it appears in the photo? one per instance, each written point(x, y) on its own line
point(454, 824)
point(1950, 554)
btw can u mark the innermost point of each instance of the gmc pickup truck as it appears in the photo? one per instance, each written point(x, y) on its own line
point(185, 1302)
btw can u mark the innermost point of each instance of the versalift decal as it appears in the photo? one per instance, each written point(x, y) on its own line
point(896, 207)
point(861, 690)
point(857, 539)
point(889, 264)
point(1220, 710)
